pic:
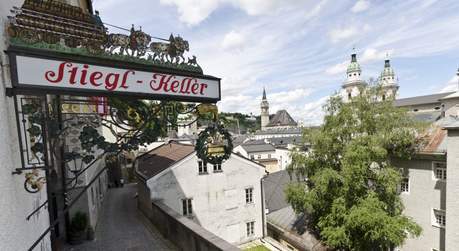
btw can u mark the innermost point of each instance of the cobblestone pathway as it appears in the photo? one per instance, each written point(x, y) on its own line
point(123, 228)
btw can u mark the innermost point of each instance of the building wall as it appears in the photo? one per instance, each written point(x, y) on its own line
point(16, 233)
point(425, 194)
point(452, 205)
point(283, 158)
point(273, 135)
point(218, 199)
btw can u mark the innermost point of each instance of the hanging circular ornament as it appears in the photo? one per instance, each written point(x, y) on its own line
point(214, 144)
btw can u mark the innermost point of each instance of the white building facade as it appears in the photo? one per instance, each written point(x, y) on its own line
point(225, 199)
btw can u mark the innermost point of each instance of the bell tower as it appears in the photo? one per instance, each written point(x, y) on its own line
point(388, 81)
point(354, 83)
point(264, 111)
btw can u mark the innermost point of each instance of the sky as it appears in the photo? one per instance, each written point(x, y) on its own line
point(299, 49)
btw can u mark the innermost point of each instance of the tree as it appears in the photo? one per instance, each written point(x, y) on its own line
point(350, 190)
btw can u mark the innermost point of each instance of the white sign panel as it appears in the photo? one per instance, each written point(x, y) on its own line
point(54, 74)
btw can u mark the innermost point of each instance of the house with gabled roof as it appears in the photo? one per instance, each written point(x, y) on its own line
point(226, 199)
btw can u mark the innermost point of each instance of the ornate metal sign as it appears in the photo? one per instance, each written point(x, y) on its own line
point(71, 77)
point(60, 27)
point(214, 144)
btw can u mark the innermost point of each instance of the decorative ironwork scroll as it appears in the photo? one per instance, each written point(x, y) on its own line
point(57, 26)
point(30, 112)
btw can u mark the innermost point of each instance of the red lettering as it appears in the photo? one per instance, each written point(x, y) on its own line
point(111, 85)
point(185, 88)
point(49, 75)
point(195, 87)
point(95, 76)
point(162, 82)
point(73, 75)
point(125, 75)
point(174, 86)
point(203, 86)
point(83, 74)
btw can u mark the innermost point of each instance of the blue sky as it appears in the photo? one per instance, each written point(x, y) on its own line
point(299, 49)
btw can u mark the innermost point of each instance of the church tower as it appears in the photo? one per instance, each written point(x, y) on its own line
point(354, 83)
point(388, 81)
point(264, 111)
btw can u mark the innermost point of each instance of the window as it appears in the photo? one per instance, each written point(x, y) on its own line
point(405, 185)
point(269, 156)
point(439, 170)
point(217, 168)
point(202, 167)
point(249, 195)
point(252, 157)
point(439, 218)
point(259, 156)
point(187, 206)
point(250, 227)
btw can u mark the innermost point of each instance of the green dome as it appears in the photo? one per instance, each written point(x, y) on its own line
point(388, 72)
point(353, 66)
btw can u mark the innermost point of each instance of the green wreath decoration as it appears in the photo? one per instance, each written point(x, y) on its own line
point(205, 139)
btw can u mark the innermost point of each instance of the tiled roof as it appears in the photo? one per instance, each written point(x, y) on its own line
point(282, 118)
point(429, 117)
point(274, 186)
point(434, 137)
point(162, 157)
point(451, 123)
point(252, 148)
point(419, 100)
point(295, 226)
point(292, 130)
point(282, 141)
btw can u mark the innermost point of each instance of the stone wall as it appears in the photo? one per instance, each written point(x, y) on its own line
point(183, 232)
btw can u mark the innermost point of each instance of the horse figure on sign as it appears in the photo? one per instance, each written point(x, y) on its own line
point(172, 51)
point(136, 44)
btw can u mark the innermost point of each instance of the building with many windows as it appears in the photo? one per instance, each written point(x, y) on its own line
point(226, 199)
point(430, 180)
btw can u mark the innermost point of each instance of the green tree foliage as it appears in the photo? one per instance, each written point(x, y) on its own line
point(350, 192)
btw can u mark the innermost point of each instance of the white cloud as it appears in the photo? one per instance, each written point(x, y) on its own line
point(192, 12)
point(290, 96)
point(451, 85)
point(337, 68)
point(371, 54)
point(233, 41)
point(337, 35)
point(312, 113)
point(360, 6)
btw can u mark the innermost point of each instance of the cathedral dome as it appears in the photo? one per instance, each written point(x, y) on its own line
point(353, 66)
point(387, 75)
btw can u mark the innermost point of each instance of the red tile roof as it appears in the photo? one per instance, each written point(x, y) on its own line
point(162, 157)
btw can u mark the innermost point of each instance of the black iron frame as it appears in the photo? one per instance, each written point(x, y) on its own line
point(20, 89)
